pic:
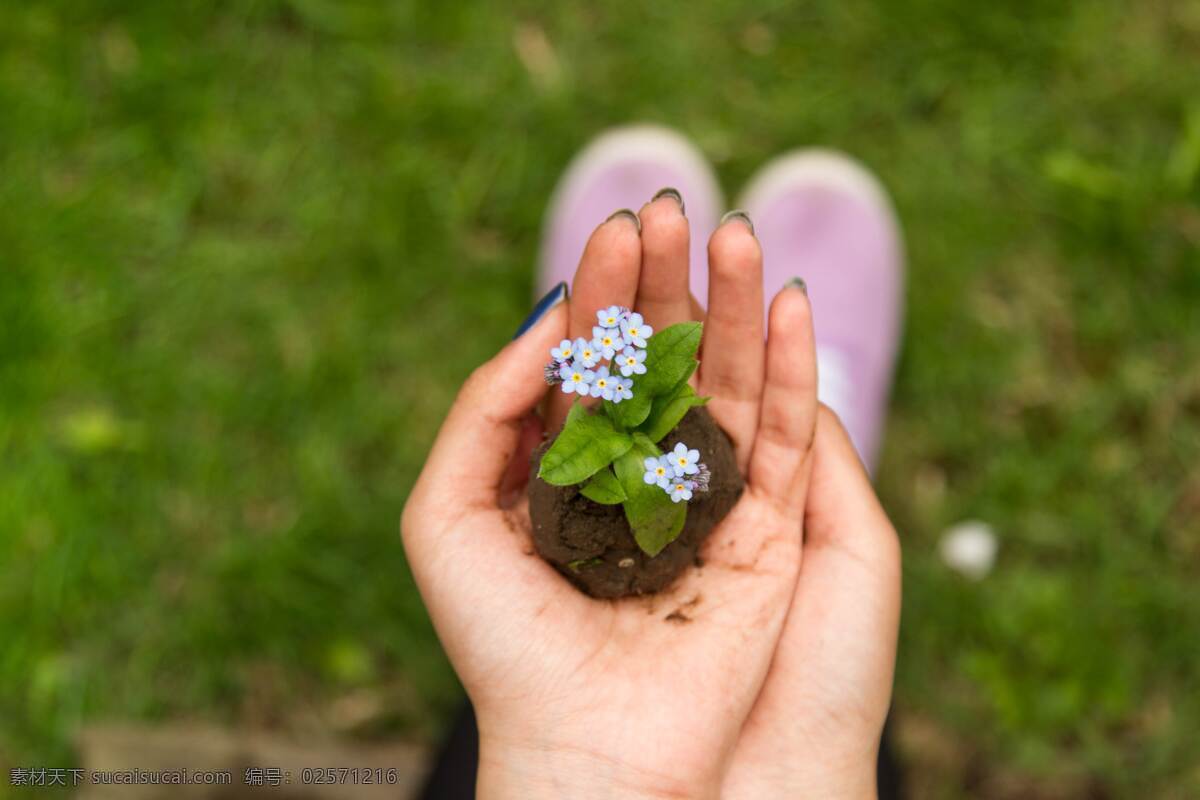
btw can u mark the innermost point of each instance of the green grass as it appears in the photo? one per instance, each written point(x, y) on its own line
point(248, 251)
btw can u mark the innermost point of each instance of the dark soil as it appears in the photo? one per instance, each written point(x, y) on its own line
point(592, 545)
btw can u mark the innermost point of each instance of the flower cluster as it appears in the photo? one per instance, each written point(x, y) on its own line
point(620, 339)
point(679, 473)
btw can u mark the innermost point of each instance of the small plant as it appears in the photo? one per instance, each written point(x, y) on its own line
point(641, 377)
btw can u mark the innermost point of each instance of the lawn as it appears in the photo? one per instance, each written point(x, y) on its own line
point(249, 250)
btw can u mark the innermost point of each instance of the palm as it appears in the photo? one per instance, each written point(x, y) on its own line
point(596, 670)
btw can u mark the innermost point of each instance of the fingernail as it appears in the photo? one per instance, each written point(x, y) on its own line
point(625, 212)
point(740, 216)
point(673, 193)
point(797, 283)
point(543, 307)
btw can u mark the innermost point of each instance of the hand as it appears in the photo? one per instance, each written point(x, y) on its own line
point(815, 727)
point(580, 697)
point(814, 730)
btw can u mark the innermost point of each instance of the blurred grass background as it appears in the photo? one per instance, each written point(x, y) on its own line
point(249, 249)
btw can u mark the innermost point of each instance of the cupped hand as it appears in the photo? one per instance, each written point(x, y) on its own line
point(814, 729)
point(588, 698)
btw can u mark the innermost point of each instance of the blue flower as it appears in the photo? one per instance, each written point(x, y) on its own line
point(683, 460)
point(622, 389)
point(606, 340)
point(658, 472)
point(564, 352)
point(680, 490)
point(630, 361)
point(603, 384)
point(586, 353)
point(634, 330)
point(576, 378)
point(611, 317)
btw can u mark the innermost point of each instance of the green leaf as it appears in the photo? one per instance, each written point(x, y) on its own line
point(632, 412)
point(575, 412)
point(587, 444)
point(645, 443)
point(604, 488)
point(654, 519)
point(668, 409)
point(670, 358)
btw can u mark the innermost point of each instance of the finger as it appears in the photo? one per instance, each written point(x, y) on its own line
point(483, 428)
point(663, 297)
point(607, 276)
point(788, 413)
point(731, 364)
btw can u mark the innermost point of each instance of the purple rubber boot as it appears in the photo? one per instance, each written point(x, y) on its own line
point(823, 217)
point(624, 168)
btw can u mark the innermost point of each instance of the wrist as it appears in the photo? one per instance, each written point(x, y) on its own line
point(861, 786)
point(531, 771)
point(786, 775)
point(843, 784)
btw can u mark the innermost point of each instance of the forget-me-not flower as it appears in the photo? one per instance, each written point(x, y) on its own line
point(683, 460)
point(681, 490)
point(603, 384)
point(576, 378)
point(606, 340)
point(564, 352)
point(631, 361)
point(622, 389)
point(611, 317)
point(586, 353)
point(635, 331)
point(658, 472)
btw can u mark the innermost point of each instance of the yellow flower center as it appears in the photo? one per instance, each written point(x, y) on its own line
point(633, 332)
point(660, 471)
point(576, 377)
point(683, 461)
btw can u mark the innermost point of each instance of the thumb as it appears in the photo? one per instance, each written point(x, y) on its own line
point(842, 508)
point(830, 681)
point(846, 612)
point(483, 429)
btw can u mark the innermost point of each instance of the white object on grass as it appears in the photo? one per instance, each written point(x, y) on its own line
point(970, 548)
